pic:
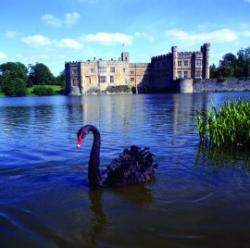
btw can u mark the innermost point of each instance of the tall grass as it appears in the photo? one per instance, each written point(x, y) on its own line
point(228, 126)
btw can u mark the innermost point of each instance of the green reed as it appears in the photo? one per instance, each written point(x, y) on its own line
point(228, 126)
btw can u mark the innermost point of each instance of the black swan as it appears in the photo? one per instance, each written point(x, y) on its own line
point(134, 165)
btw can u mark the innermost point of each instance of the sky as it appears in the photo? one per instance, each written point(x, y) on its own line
point(55, 31)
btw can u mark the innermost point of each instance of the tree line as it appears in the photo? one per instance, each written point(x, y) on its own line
point(231, 65)
point(15, 78)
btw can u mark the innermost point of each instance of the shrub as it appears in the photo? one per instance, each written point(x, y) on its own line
point(133, 89)
point(118, 88)
point(14, 87)
point(221, 79)
point(43, 91)
point(227, 127)
point(93, 91)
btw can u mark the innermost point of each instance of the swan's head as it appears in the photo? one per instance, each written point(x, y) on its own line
point(81, 135)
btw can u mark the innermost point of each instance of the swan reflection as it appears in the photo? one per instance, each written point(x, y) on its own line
point(137, 194)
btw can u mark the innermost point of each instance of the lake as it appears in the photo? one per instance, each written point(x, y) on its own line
point(197, 199)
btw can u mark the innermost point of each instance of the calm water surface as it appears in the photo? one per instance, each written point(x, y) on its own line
point(198, 198)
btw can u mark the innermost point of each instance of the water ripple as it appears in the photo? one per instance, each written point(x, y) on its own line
point(194, 200)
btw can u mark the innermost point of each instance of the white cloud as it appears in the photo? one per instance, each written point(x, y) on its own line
point(51, 20)
point(68, 20)
point(2, 55)
point(108, 38)
point(220, 35)
point(71, 18)
point(40, 41)
point(144, 35)
point(68, 43)
point(11, 34)
point(36, 40)
point(248, 1)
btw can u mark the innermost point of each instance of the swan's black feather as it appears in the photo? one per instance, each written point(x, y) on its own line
point(134, 165)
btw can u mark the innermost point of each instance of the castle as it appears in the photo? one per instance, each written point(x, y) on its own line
point(160, 74)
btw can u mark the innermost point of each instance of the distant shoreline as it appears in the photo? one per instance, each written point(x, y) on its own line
point(199, 86)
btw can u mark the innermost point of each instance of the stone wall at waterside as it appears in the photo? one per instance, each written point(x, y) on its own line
point(213, 85)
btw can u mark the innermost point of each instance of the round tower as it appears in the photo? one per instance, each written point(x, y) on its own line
point(175, 57)
point(206, 58)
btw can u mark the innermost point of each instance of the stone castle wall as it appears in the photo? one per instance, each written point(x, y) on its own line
point(159, 75)
point(213, 85)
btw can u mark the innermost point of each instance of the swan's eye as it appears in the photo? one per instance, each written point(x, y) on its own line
point(80, 140)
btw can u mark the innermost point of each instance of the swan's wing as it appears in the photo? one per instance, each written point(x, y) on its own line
point(132, 166)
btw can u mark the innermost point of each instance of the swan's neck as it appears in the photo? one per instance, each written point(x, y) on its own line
point(94, 160)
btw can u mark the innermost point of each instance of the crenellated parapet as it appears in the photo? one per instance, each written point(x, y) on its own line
point(160, 57)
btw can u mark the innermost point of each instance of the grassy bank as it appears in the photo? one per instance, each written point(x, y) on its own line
point(226, 127)
point(57, 89)
point(54, 89)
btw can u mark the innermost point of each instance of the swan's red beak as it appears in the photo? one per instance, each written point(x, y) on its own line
point(79, 140)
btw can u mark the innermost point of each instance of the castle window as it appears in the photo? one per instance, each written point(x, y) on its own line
point(111, 79)
point(74, 72)
point(132, 72)
point(185, 74)
point(198, 74)
point(74, 82)
point(179, 62)
point(132, 79)
point(185, 62)
point(91, 70)
point(124, 70)
point(112, 69)
point(198, 62)
point(102, 69)
point(179, 74)
point(102, 79)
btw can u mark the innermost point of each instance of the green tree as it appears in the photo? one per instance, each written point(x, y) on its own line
point(229, 59)
point(244, 62)
point(226, 71)
point(213, 71)
point(13, 78)
point(14, 70)
point(60, 79)
point(233, 66)
point(13, 87)
point(227, 65)
point(40, 74)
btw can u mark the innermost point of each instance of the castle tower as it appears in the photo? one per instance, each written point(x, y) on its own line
point(205, 49)
point(175, 58)
point(74, 75)
point(125, 56)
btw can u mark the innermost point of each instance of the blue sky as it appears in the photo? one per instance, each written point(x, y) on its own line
point(55, 31)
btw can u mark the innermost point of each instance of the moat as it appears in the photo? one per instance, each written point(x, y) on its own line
point(198, 199)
